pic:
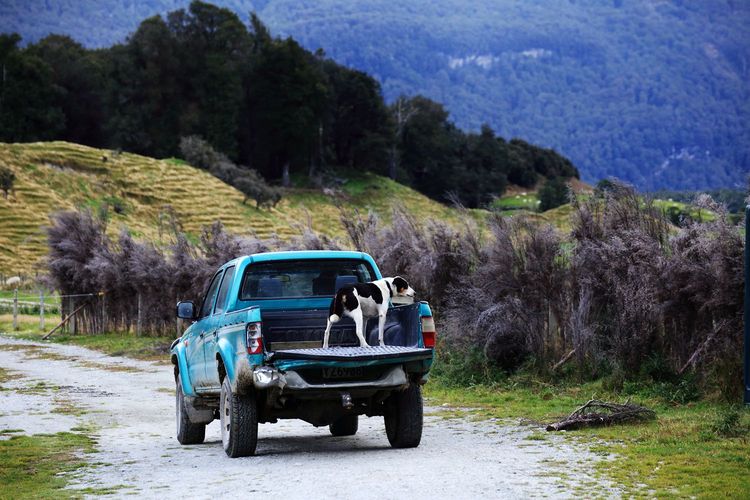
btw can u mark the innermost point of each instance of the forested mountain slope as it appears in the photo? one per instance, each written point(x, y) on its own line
point(655, 92)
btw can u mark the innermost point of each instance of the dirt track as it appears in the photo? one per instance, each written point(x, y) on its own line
point(129, 405)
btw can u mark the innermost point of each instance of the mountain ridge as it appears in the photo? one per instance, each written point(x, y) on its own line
point(653, 92)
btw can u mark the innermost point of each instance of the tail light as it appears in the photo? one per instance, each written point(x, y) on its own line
point(254, 338)
point(428, 331)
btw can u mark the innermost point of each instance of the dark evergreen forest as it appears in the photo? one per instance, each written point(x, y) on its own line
point(264, 102)
point(653, 92)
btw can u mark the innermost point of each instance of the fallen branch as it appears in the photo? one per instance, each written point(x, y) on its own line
point(702, 347)
point(598, 413)
point(563, 360)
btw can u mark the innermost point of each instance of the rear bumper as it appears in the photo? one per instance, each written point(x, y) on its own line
point(266, 377)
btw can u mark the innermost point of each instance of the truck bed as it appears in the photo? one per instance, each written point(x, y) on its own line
point(301, 332)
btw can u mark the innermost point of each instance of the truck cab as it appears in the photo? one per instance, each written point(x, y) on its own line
point(253, 353)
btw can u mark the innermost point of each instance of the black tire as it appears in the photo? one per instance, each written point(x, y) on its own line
point(403, 417)
point(187, 432)
point(239, 422)
point(345, 426)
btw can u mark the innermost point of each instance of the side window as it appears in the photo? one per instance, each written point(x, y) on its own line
point(208, 300)
point(221, 300)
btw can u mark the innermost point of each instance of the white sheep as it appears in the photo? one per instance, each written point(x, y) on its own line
point(13, 281)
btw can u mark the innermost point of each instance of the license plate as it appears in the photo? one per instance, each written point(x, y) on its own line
point(338, 372)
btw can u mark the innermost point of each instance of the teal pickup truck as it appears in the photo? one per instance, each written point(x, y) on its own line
point(253, 353)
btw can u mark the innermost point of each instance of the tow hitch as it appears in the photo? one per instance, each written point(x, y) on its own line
point(346, 401)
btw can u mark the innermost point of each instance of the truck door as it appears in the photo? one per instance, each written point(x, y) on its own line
point(211, 335)
point(196, 356)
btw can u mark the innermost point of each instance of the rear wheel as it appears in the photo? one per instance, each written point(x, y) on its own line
point(187, 432)
point(239, 422)
point(345, 426)
point(403, 417)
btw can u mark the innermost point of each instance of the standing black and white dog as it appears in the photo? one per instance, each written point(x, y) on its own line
point(362, 301)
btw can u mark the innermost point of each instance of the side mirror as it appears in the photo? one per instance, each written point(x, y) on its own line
point(186, 309)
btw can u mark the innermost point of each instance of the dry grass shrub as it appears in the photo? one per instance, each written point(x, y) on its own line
point(624, 288)
point(430, 254)
point(514, 303)
point(84, 260)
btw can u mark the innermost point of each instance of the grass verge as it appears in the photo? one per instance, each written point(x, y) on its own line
point(39, 466)
point(114, 344)
point(693, 450)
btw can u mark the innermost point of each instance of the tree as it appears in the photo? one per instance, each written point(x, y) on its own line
point(144, 94)
point(28, 96)
point(7, 178)
point(401, 112)
point(288, 97)
point(486, 166)
point(79, 78)
point(357, 119)
point(429, 148)
point(213, 48)
point(553, 193)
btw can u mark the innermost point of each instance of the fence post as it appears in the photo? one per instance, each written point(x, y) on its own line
point(72, 321)
point(747, 305)
point(41, 309)
point(138, 324)
point(104, 311)
point(15, 309)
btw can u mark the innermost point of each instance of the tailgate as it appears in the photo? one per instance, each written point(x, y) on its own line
point(353, 353)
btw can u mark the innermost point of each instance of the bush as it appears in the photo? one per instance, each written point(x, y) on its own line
point(253, 186)
point(511, 305)
point(200, 153)
point(431, 255)
point(458, 368)
point(84, 260)
point(7, 178)
point(681, 390)
point(249, 182)
point(645, 305)
point(630, 295)
point(728, 422)
point(553, 193)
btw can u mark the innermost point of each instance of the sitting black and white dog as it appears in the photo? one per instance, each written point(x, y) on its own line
point(362, 301)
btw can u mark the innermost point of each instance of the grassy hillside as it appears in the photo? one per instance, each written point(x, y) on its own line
point(140, 193)
point(143, 193)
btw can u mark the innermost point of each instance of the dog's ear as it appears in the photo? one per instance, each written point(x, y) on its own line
point(400, 284)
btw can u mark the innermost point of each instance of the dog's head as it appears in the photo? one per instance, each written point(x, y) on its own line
point(401, 287)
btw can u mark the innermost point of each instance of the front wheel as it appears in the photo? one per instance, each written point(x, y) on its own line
point(345, 426)
point(239, 422)
point(187, 432)
point(403, 417)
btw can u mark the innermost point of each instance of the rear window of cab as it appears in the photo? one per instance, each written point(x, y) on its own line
point(302, 278)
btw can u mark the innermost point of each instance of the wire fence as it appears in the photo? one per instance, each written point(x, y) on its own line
point(82, 313)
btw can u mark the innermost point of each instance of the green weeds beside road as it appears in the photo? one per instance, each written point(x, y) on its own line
point(114, 344)
point(699, 449)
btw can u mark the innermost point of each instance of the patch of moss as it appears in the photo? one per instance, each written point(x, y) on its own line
point(39, 466)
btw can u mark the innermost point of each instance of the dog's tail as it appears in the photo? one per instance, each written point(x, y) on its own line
point(337, 307)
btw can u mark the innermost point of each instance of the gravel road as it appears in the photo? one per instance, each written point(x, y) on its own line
point(129, 407)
